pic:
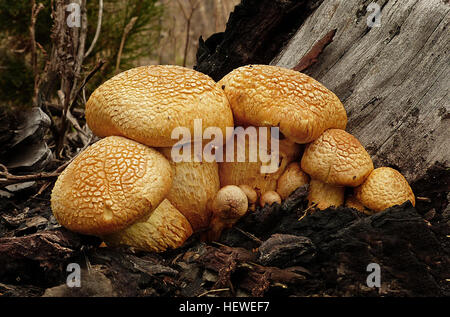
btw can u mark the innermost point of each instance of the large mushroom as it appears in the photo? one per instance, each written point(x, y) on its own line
point(148, 103)
point(165, 228)
point(272, 96)
point(145, 105)
point(109, 186)
point(337, 159)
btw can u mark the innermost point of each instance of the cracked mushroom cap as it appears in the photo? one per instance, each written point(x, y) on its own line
point(385, 187)
point(194, 185)
point(249, 172)
point(109, 186)
point(337, 158)
point(292, 178)
point(147, 103)
point(165, 228)
point(264, 95)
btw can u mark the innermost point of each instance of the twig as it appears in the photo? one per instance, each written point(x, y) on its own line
point(97, 67)
point(306, 211)
point(127, 30)
point(6, 178)
point(213, 291)
point(188, 18)
point(35, 9)
point(249, 235)
point(97, 31)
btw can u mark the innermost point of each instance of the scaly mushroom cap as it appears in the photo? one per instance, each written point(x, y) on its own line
point(249, 173)
point(165, 228)
point(325, 195)
point(110, 185)
point(263, 95)
point(147, 103)
point(292, 178)
point(337, 158)
point(194, 185)
point(385, 187)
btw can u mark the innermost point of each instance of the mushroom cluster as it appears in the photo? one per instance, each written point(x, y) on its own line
point(127, 188)
point(315, 149)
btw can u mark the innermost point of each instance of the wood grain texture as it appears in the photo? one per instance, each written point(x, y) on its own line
point(392, 79)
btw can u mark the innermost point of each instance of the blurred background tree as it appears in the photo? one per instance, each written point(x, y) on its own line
point(16, 80)
point(158, 36)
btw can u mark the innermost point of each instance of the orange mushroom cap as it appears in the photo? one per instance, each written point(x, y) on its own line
point(265, 95)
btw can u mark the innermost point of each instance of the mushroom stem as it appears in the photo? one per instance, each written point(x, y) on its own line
point(325, 195)
point(292, 178)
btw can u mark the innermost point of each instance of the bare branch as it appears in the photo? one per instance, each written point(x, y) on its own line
point(35, 9)
point(127, 30)
point(97, 31)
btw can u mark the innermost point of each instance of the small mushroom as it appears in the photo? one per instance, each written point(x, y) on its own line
point(109, 186)
point(336, 159)
point(325, 195)
point(292, 178)
point(266, 95)
point(228, 206)
point(385, 187)
point(252, 196)
point(269, 198)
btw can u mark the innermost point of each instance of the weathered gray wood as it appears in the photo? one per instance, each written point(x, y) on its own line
point(392, 79)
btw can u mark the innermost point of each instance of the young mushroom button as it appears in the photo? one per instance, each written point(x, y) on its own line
point(228, 206)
